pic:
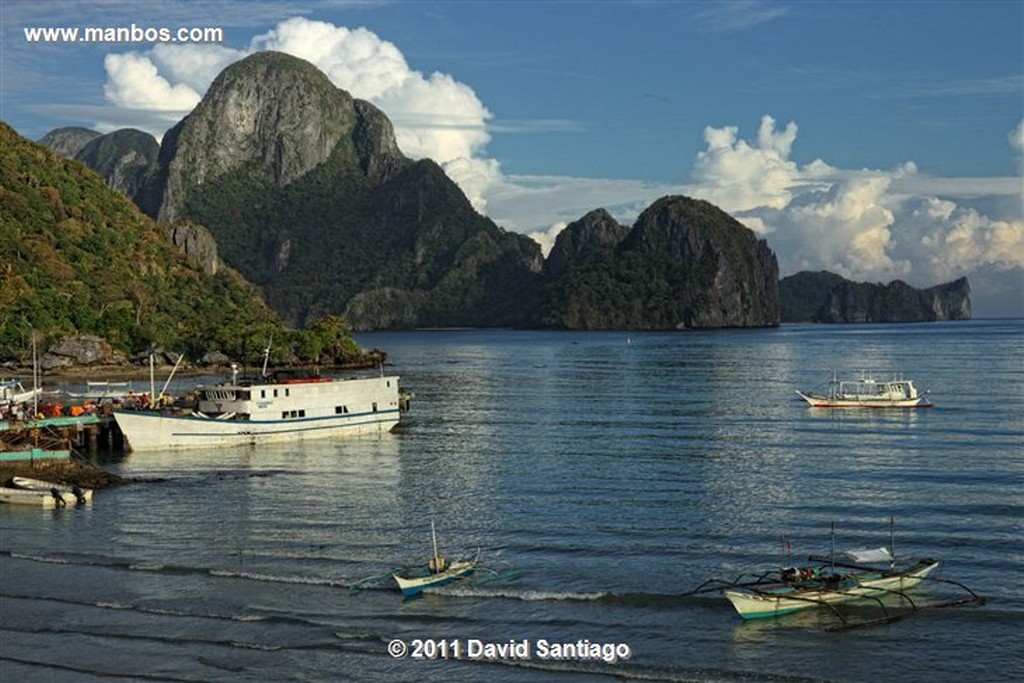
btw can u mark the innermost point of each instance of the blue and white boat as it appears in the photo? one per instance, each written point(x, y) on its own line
point(438, 572)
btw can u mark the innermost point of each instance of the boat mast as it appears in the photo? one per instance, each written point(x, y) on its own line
point(892, 538)
point(266, 355)
point(171, 376)
point(832, 551)
point(35, 377)
point(437, 557)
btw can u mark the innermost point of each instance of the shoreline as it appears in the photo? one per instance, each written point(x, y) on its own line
point(101, 373)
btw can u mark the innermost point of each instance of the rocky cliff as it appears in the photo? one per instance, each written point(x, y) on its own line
point(834, 299)
point(275, 117)
point(124, 158)
point(68, 141)
point(684, 264)
point(306, 193)
point(596, 229)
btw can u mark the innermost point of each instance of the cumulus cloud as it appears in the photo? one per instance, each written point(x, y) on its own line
point(861, 224)
point(1017, 137)
point(134, 83)
point(739, 176)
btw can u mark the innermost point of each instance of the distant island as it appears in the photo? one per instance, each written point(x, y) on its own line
point(825, 297)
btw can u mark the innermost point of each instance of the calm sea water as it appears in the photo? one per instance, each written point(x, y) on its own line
point(615, 472)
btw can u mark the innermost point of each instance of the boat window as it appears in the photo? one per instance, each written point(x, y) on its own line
point(243, 395)
point(275, 393)
point(375, 406)
point(284, 415)
point(389, 383)
point(263, 393)
point(302, 413)
point(287, 392)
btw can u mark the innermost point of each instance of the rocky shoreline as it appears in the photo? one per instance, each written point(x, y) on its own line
point(66, 472)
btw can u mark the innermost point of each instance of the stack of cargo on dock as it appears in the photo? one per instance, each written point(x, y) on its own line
point(48, 438)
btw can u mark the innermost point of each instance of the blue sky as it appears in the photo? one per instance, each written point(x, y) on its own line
point(879, 140)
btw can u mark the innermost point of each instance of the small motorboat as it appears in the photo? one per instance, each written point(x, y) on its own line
point(867, 392)
point(74, 494)
point(439, 571)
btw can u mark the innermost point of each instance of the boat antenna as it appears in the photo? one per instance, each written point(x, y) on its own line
point(437, 557)
point(152, 378)
point(787, 551)
point(266, 355)
point(892, 538)
point(832, 552)
point(35, 376)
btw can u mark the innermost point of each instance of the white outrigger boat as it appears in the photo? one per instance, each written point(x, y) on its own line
point(873, 578)
point(285, 406)
point(868, 392)
point(803, 588)
point(438, 572)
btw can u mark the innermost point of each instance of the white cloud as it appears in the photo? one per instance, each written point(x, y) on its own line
point(355, 60)
point(134, 83)
point(1017, 137)
point(868, 225)
point(738, 176)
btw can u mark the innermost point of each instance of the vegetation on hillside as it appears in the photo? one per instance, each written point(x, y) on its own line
point(79, 258)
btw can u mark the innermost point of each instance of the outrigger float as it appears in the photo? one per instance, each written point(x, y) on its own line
point(874, 578)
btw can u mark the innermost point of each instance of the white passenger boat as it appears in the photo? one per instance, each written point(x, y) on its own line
point(867, 392)
point(285, 406)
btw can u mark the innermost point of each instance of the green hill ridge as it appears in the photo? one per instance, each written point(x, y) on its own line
point(80, 258)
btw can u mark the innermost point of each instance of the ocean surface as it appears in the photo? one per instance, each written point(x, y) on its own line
point(601, 476)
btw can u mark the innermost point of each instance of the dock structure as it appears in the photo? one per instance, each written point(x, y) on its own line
point(50, 438)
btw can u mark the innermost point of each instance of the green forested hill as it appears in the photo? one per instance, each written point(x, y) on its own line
point(77, 257)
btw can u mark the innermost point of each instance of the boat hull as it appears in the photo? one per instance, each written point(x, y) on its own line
point(775, 601)
point(150, 431)
point(820, 401)
point(414, 585)
point(37, 498)
point(27, 483)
